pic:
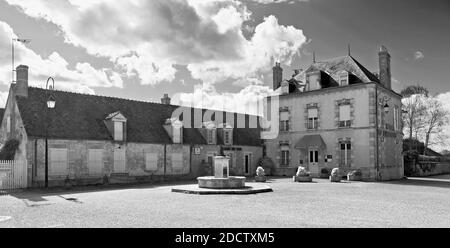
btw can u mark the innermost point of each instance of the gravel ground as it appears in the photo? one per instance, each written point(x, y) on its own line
point(408, 203)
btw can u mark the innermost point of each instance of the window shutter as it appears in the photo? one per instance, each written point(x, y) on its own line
point(312, 113)
point(344, 112)
point(284, 116)
point(118, 131)
point(151, 161)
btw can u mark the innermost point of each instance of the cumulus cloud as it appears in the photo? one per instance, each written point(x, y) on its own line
point(244, 101)
point(82, 78)
point(419, 55)
point(147, 38)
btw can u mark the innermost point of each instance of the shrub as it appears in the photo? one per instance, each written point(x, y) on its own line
point(8, 151)
point(325, 171)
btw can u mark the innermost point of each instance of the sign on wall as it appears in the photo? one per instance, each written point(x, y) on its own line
point(197, 150)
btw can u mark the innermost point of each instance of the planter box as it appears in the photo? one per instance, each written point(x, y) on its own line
point(260, 179)
point(305, 179)
point(354, 178)
point(335, 179)
point(324, 176)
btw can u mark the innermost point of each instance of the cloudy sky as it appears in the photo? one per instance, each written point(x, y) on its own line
point(219, 50)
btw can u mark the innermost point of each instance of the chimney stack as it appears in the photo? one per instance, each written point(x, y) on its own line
point(385, 67)
point(277, 76)
point(21, 88)
point(166, 99)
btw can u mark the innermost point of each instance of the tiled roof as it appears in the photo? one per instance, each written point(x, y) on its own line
point(81, 117)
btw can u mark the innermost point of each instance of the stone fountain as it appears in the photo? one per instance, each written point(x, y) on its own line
point(221, 178)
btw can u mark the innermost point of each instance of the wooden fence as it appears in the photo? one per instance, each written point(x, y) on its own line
point(13, 175)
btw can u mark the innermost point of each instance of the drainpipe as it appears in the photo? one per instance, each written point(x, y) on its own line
point(165, 161)
point(376, 133)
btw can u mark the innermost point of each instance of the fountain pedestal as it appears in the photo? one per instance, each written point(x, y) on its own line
point(221, 178)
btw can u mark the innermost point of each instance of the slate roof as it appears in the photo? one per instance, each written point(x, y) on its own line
point(81, 117)
point(335, 65)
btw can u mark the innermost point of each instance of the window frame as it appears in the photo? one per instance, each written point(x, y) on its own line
point(312, 121)
point(120, 137)
point(345, 123)
point(342, 75)
point(345, 161)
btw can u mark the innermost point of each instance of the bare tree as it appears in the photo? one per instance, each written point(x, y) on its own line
point(436, 117)
point(414, 110)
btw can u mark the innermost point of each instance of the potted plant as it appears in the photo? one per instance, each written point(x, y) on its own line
point(354, 175)
point(335, 176)
point(260, 175)
point(324, 173)
point(302, 176)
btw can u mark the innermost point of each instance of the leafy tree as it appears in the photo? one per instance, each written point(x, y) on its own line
point(436, 117)
point(414, 90)
point(414, 110)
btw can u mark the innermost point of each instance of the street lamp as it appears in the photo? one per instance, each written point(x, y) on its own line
point(383, 103)
point(51, 103)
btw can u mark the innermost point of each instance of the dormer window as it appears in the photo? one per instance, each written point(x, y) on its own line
point(211, 134)
point(343, 78)
point(285, 88)
point(116, 124)
point(177, 132)
point(118, 131)
point(227, 135)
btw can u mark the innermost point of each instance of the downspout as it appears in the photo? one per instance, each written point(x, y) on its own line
point(165, 161)
point(377, 134)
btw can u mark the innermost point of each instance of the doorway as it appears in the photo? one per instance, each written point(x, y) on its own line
point(247, 163)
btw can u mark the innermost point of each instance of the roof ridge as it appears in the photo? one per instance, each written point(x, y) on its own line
point(102, 96)
point(141, 101)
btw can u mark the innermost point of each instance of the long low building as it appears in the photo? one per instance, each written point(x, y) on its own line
point(89, 139)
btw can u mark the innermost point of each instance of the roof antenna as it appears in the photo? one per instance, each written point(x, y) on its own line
point(314, 57)
point(349, 50)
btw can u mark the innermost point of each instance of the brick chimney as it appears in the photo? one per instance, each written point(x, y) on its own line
point(21, 88)
point(385, 67)
point(277, 76)
point(166, 99)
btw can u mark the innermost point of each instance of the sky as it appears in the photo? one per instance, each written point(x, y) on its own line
point(219, 51)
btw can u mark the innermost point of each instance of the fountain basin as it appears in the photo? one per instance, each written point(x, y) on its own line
point(221, 183)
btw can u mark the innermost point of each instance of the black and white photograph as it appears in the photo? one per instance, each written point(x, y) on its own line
point(224, 114)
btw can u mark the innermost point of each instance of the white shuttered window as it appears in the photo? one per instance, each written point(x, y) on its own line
point(58, 162)
point(151, 161)
point(95, 161)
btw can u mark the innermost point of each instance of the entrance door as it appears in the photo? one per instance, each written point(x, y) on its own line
point(313, 158)
point(247, 163)
point(119, 161)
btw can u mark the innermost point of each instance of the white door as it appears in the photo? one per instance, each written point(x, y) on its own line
point(313, 158)
point(119, 161)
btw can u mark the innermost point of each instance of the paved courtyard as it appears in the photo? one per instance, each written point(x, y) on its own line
point(409, 203)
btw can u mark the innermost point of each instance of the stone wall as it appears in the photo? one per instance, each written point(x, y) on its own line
point(425, 169)
point(80, 172)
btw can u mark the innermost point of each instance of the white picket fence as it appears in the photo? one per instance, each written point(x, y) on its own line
point(13, 175)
